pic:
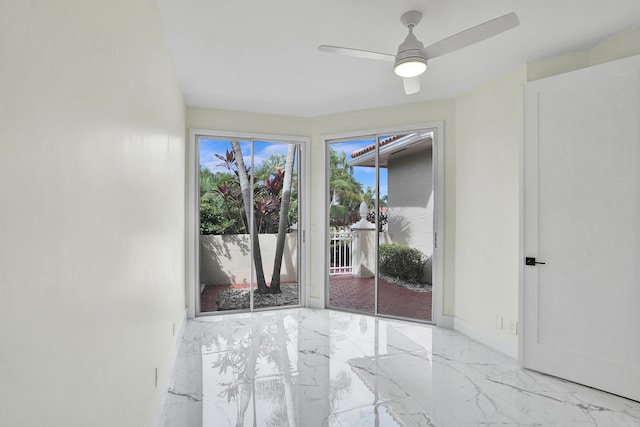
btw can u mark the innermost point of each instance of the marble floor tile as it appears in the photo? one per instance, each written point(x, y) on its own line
point(303, 367)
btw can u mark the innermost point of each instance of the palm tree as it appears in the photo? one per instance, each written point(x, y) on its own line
point(285, 203)
point(346, 192)
point(245, 187)
point(344, 188)
point(207, 185)
point(275, 161)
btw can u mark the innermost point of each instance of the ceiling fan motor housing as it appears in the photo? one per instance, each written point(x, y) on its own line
point(410, 59)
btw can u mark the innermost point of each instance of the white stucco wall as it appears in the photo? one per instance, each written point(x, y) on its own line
point(364, 251)
point(411, 200)
point(92, 215)
point(226, 259)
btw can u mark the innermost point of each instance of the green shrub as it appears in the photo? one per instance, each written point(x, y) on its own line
point(340, 216)
point(402, 261)
point(215, 218)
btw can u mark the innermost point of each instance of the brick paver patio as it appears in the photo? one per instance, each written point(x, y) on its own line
point(358, 294)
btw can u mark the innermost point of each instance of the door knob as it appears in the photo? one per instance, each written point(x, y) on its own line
point(532, 261)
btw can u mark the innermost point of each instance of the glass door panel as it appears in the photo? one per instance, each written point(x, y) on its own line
point(352, 247)
point(225, 243)
point(405, 224)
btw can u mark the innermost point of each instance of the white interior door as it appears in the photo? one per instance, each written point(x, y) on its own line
point(582, 218)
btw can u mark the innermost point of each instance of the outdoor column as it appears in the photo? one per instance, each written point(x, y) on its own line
point(363, 246)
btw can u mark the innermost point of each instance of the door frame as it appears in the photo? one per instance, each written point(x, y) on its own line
point(437, 128)
point(192, 220)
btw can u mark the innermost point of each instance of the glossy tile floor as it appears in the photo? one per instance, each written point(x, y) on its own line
point(303, 367)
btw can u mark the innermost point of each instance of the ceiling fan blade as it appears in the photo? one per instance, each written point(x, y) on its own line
point(473, 35)
point(358, 53)
point(411, 85)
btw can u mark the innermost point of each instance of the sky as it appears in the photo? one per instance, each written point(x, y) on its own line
point(262, 150)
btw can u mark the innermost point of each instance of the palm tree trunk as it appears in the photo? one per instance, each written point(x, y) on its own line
point(245, 187)
point(285, 368)
point(285, 203)
point(246, 380)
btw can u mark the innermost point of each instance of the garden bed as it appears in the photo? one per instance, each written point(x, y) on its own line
point(418, 287)
point(238, 298)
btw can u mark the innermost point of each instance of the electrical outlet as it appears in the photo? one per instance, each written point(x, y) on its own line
point(499, 322)
point(513, 327)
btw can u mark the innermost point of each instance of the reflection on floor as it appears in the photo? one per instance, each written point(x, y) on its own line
point(303, 367)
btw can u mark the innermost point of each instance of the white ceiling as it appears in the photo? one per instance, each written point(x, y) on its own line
point(261, 55)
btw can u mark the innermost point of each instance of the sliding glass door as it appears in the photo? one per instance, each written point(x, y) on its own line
point(249, 244)
point(381, 224)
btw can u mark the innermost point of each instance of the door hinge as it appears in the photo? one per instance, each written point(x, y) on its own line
point(435, 239)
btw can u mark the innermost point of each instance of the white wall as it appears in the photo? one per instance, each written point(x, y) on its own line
point(489, 138)
point(621, 45)
point(92, 214)
point(238, 121)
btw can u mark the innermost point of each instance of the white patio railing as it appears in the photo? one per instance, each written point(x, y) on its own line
point(340, 252)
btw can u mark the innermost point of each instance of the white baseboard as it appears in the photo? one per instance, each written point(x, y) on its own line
point(315, 303)
point(168, 377)
point(446, 321)
point(495, 341)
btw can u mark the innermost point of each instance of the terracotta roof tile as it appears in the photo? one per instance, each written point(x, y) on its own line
point(372, 147)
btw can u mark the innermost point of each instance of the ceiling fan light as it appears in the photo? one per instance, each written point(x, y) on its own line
point(410, 67)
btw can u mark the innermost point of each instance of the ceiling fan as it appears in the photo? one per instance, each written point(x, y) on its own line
point(411, 59)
